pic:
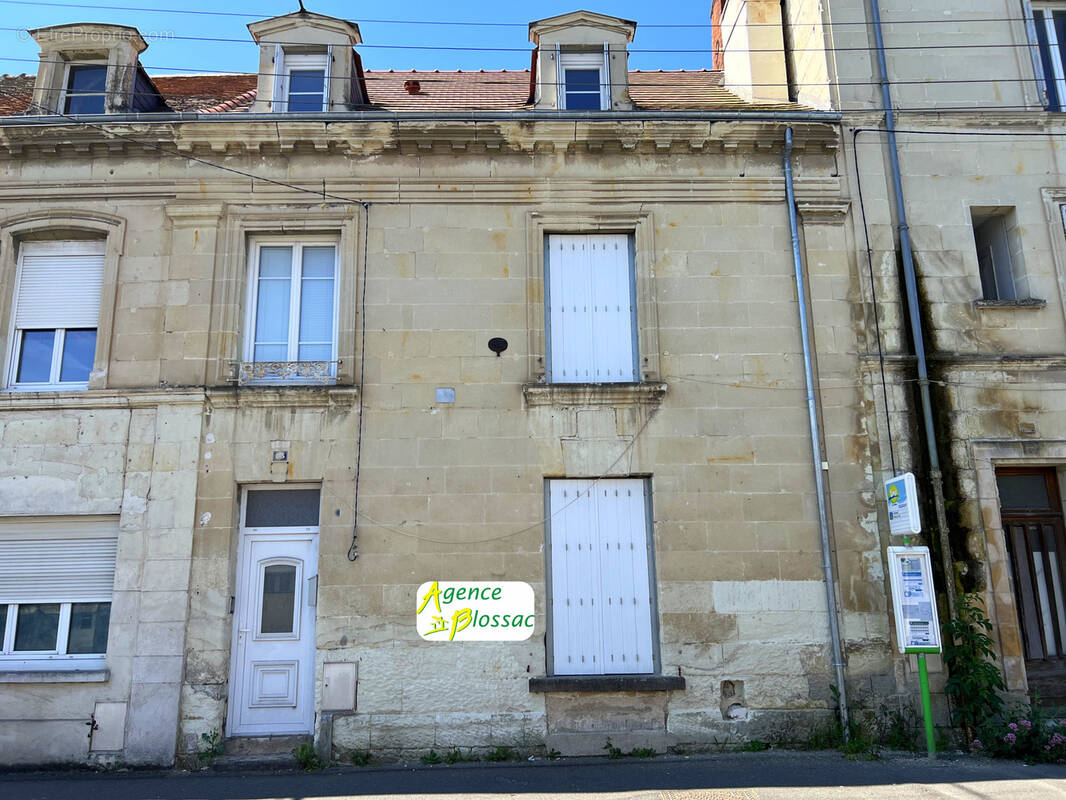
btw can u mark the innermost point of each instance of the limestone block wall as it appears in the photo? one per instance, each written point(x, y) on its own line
point(976, 57)
point(128, 459)
point(319, 424)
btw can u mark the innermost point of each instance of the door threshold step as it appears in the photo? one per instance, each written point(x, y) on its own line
point(264, 745)
point(270, 761)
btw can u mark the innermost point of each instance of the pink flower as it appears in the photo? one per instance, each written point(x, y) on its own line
point(976, 744)
point(1013, 726)
point(1047, 747)
point(1026, 724)
point(1010, 738)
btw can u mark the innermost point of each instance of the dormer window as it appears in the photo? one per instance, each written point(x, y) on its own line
point(92, 68)
point(304, 77)
point(580, 62)
point(85, 89)
point(307, 64)
point(582, 86)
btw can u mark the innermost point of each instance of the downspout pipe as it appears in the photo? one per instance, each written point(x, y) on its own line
point(816, 440)
point(913, 310)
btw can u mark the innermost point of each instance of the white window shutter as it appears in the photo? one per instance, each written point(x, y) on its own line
point(605, 84)
point(57, 570)
point(601, 596)
point(327, 91)
point(1034, 50)
point(60, 285)
point(591, 316)
point(560, 78)
point(280, 102)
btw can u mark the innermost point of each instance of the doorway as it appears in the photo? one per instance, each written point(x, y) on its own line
point(1031, 512)
point(272, 672)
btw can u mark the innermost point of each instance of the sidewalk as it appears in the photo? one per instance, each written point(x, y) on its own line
point(738, 776)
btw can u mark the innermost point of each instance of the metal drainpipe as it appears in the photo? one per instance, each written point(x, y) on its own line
point(911, 284)
point(816, 440)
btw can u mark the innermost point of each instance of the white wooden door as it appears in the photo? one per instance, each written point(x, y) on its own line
point(272, 675)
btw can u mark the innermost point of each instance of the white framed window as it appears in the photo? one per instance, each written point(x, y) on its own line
point(84, 88)
point(1046, 24)
point(56, 585)
point(292, 306)
point(601, 599)
point(56, 311)
point(583, 82)
point(591, 312)
point(302, 81)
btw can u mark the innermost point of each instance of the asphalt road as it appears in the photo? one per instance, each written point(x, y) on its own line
point(745, 776)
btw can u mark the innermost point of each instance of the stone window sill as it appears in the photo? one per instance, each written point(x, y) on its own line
point(594, 394)
point(1024, 302)
point(606, 683)
point(55, 676)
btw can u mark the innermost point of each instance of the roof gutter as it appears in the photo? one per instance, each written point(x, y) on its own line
point(827, 117)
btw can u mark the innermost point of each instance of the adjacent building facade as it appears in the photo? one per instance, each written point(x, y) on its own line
point(251, 403)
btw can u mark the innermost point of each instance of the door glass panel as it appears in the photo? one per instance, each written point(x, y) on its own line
point(281, 508)
point(3, 625)
point(1023, 491)
point(88, 628)
point(37, 626)
point(279, 598)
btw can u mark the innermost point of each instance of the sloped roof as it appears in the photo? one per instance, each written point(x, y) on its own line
point(483, 90)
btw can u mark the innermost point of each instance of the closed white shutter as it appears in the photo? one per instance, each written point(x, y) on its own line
point(601, 591)
point(591, 313)
point(57, 570)
point(59, 285)
point(280, 97)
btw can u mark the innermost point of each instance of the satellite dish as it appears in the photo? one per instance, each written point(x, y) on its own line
point(497, 345)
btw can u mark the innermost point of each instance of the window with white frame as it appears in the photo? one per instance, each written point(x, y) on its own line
point(583, 85)
point(56, 585)
point(1046, 23)
point(302, 81)
point(292, 307)
point(56, 311)
point(592, 320)
point(85, 89)
point(602, 604)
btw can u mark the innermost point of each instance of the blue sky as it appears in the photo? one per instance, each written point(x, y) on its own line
point(194, 56)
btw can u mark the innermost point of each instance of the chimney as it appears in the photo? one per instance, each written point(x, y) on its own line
point(748, 36)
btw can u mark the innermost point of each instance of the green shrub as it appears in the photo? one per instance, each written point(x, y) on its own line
point(361, 758)
point(1026, 733)
point(210, 746)
point(501, 754)
point(432, 757)
point(974, 679)
point(306, 757)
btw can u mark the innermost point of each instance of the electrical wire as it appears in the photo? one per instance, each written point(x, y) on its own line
point(170, 36)
point(605, 475)
point(465, 23)
point(353, 550)
point(877, 314)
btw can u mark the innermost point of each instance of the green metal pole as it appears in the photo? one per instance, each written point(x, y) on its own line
point(927, 706)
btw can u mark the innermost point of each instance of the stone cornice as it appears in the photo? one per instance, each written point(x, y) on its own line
point(239, 135)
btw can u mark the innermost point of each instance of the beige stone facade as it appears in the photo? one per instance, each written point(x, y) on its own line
point(439, 226)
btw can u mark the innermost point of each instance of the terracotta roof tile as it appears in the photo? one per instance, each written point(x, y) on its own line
point(16, 92)
point(207, 93)
point(483, 90)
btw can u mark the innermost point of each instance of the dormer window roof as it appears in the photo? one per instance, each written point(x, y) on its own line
point(581, 62)
point(307, 64)
point(91, 68)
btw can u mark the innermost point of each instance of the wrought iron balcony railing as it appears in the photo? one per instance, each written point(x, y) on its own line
point(285, 372)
